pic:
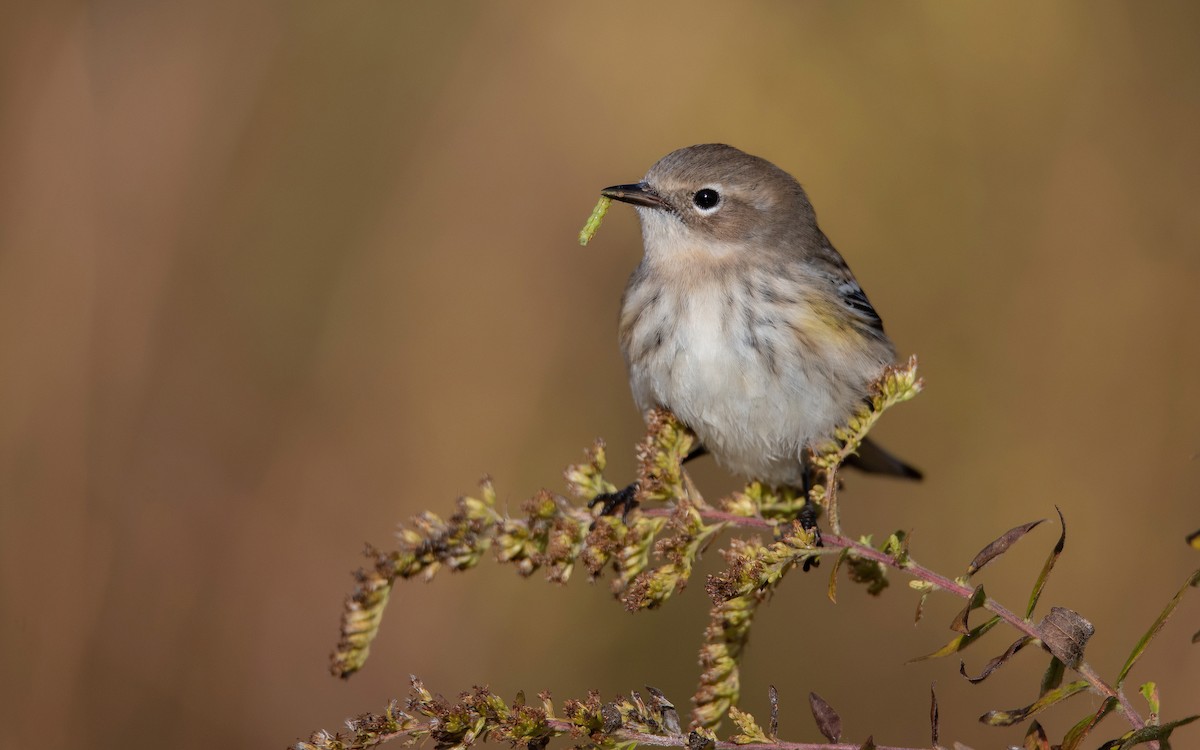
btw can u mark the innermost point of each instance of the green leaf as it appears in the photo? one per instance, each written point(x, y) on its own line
point(1085, 725)
point(1053, 675)
point(1049, 566)
point(1000, 546)
point(1146, 734)
point(1149, 691)
point(1193, 580)
point(961, 642)
point(1008, 718)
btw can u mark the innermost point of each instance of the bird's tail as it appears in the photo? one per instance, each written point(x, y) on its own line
point(875, 460)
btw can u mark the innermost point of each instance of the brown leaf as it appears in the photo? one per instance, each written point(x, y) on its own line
point(1065, 633)
point(976, 601)
point(1000, 546)
point(933, 713)
point(670, 716)
point(997, 662)
point(773, 696)
point(1035, 738)
point(869, 744)
point(828, 720)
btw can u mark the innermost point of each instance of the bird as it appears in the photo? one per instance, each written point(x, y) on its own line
point(742, 319)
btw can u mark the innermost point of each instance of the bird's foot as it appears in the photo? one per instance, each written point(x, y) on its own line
point(808, 522)
point(625, 498)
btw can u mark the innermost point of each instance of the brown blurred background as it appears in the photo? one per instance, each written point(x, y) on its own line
point(275, 276)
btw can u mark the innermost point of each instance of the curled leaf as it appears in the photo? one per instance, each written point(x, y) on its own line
point(841, 558)
point(827, 719)
point(1065, 633)
point(960, 642)
point(1016, 715)
point(997, 662)
point(1000, 546)
point(975, 602)
point(1040, 583)
point(1084, 726)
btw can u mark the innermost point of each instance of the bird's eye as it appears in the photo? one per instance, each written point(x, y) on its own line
point(706, 199)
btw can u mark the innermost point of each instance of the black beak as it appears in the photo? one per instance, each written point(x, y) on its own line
point(639, 194)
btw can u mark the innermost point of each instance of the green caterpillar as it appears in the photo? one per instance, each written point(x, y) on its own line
point(593, 222)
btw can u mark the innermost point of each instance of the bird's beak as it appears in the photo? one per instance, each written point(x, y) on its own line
point(639, 194)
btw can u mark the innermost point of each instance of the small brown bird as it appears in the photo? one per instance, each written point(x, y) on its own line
point(743, 320)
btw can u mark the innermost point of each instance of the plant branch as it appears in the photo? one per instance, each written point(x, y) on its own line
point(834, 542)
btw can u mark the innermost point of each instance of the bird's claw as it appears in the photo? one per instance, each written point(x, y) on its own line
point(625, 498)
point(808, 522)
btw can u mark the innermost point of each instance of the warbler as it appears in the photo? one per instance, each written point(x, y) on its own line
point(743, 320)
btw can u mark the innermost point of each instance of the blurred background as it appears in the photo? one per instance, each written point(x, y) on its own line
point(275, 276)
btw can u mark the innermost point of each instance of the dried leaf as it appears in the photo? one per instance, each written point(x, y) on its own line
point(773, 697)
point(833, 574)
point(697, 741)
point(670, 716)
point(1040, 583)
point(1193, 580)
point(1035, 738)
point(1066, 634)
point(1000, 546)
point(997, 662)
point(827, 719)
point(1053, 675)
point(960, 642)
point(1008, 718)
point(921, 605)
point(975, 602)
point(869, 744)
point(1146, 734)
point(1079, 732)
point(933, 713)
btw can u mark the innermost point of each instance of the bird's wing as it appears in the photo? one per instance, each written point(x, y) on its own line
point(831, 265)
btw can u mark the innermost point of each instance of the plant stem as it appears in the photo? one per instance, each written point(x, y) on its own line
point(836, 542)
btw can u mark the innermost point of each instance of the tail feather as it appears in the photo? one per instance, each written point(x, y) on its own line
point(875, 460)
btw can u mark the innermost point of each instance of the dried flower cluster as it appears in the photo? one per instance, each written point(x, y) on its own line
point(651, 553)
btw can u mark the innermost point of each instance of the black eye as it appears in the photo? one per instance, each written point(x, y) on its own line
point(706, 198)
